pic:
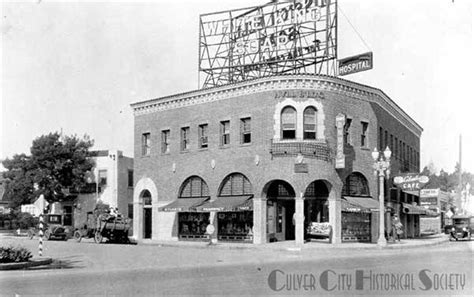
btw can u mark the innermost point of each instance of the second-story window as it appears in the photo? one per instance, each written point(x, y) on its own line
point(288, 123)
point(185, 138)
point(225, 133)
point(363, 135)
point(395, 151)
point(245, 131)
point(380, 139)
point(165, 141)
point(347, 129)
point(400, 150)
point(146, 144)
point(309, 123)
point(203, 136)
point(391, 142)
point(130, 178)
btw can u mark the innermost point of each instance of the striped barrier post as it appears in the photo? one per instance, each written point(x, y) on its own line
point(40, 247)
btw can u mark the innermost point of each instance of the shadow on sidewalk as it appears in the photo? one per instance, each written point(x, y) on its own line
point(62, 263)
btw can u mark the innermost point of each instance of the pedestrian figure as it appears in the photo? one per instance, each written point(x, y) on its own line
point(397, 228)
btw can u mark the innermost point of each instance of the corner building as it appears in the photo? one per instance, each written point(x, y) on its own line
point(257, 160)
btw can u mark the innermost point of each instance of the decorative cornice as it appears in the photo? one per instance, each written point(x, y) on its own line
point(278, 83)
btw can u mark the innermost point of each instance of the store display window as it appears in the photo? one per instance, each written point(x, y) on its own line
point(235, 226)
point(356, 227)
point(192, 225)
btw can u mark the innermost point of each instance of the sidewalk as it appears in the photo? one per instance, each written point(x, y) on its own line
point(291, 246)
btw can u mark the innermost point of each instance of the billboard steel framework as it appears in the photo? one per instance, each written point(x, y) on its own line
point(298, 36)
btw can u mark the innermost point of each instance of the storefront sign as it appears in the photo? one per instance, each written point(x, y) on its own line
point(301, 168)
point(299, 94)
point(429, 197)
point(355, 64)
point(340, 157)
point(429, 193)
point(411, 181)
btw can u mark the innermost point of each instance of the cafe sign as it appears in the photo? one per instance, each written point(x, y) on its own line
point(411, 181)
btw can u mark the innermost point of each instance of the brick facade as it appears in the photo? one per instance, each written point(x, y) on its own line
point(263, 159)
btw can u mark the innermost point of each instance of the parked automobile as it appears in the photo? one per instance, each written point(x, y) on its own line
point(113, 227)
point(461, 228)
point(53, 228)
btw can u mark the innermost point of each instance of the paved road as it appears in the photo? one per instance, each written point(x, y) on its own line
point(87, 268)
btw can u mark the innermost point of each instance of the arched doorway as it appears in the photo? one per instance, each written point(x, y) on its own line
point(316, 205)
point(145, 196)
point(280, 210)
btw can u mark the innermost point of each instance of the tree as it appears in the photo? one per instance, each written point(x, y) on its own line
point(57, 164)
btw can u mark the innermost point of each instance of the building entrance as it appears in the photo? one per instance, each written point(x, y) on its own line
point(147, 214)
point(147, 223)
point(280, 212)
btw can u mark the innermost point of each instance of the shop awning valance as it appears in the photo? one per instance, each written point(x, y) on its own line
point(413, 209)
point(359, 204)
point(228, 203)
point(414, 193)
point(184, 204)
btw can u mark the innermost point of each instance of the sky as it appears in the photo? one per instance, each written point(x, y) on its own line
point(77, 67)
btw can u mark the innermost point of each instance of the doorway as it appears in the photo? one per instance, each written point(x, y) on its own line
point(147, 214)
point(280, 211)
point(147, 223)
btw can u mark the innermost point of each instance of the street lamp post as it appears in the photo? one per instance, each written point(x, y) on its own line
point(381, 169)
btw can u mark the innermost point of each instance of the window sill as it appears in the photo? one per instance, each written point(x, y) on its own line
point(165, 154)
point(227, 146)
point(246, 144)
point(202, 149)
point(364, 148)
point(184, 152)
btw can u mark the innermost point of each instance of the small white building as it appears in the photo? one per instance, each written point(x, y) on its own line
point(37, 207)
point(111, 182)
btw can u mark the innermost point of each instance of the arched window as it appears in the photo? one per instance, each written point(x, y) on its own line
point(194, 187)
point(236, 184)
point(146, 196)
point(356, 185)
point(288, 123)
point(309, 123)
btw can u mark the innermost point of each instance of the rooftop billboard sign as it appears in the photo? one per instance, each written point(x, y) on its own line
point(296, 36)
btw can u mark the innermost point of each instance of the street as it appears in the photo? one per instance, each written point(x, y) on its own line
point(88, 268)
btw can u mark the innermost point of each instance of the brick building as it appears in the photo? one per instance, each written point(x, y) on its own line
point(257, 159)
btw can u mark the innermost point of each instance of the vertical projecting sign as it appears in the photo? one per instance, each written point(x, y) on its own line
point(340, 157)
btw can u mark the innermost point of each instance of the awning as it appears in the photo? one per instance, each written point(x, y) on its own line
point(359, 204)
point(414, 193)
point(412, 209)
point(184, 204)
point(228, 203)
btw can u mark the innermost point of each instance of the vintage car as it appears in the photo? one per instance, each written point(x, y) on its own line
point(460, 228)
point(53, 228)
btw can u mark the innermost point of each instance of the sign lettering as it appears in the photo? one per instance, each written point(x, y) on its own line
point(355, 64)
point(340, 157)
point(411, 181)
point(278, 37)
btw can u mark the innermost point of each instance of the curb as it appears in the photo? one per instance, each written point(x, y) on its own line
point(205, 245)
point(23, 265)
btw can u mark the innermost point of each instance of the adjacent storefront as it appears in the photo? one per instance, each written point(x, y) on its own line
point(356, 218)
point(234, 217)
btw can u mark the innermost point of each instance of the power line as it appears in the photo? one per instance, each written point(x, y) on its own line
point(347, 19)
